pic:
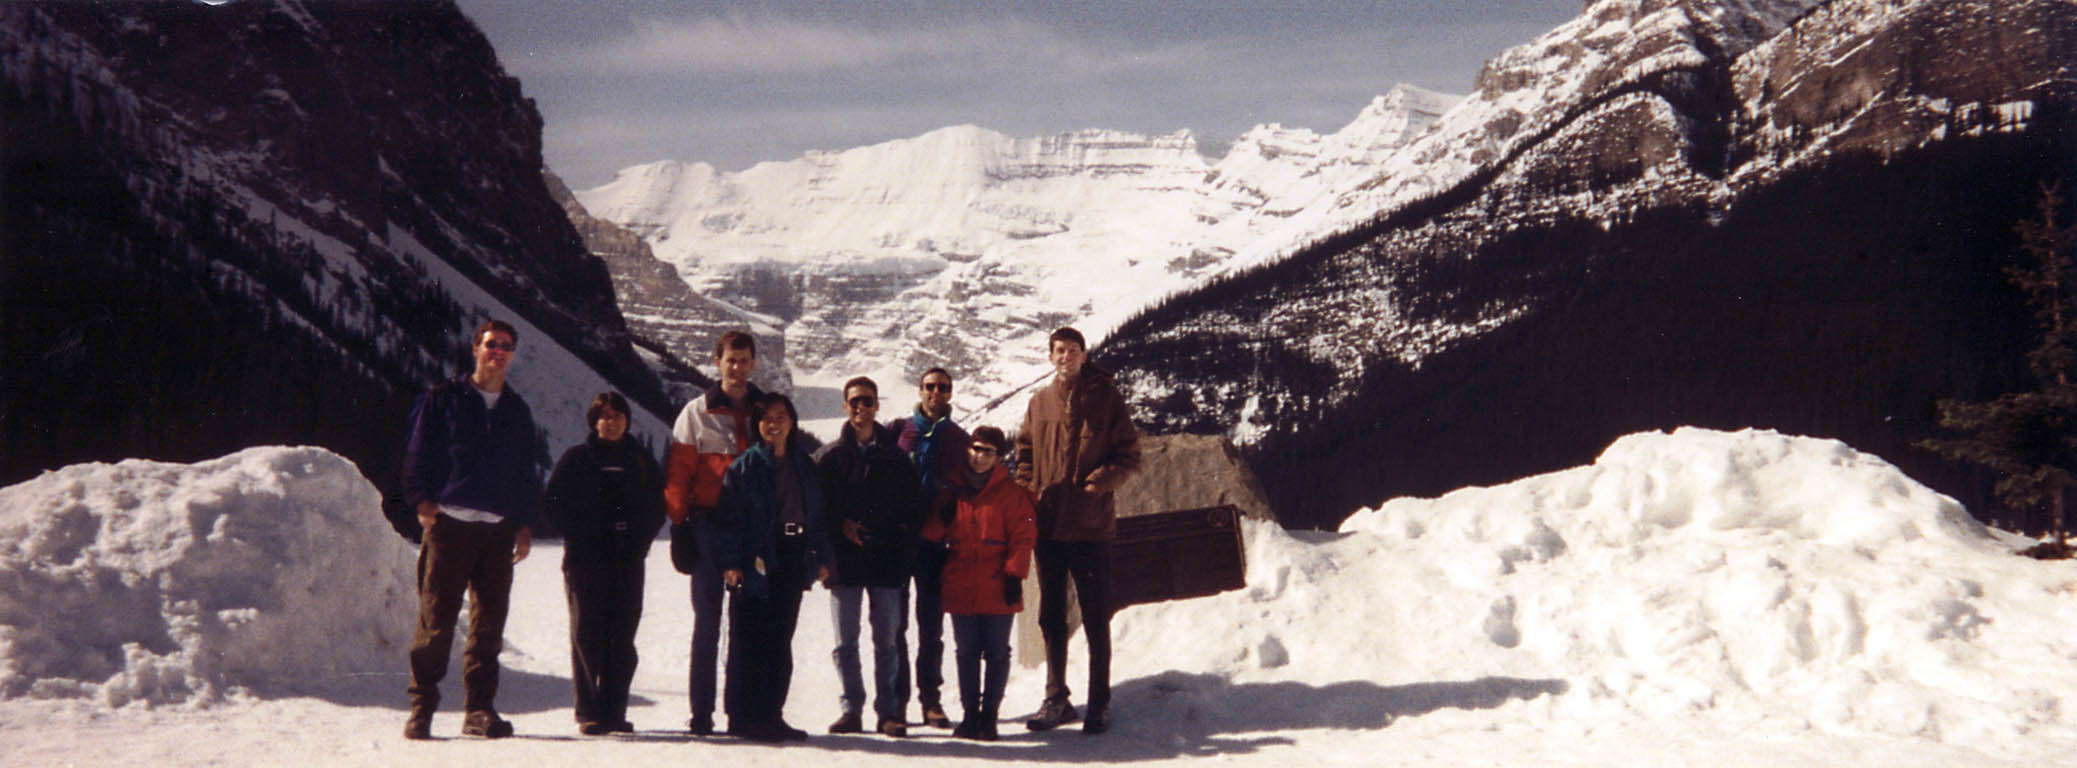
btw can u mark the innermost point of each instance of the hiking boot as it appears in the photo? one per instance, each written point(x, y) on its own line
point(1098, 722)
point(969, 727)
point(849, 722)
point(934, 716)
point(894, 728)
point(701, 725)
point(766, 732)
point(590, 728)
point(419, 727)
point(787, 732)
point(620, 726)
point(1055, 713)
point(484, 723)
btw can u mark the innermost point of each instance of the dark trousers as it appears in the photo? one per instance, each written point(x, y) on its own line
point(760, 641)
point(605, 609)
point(706, 621)
point(458, 557)
point(1089, 564)
point(930, 622)
point(984, 638)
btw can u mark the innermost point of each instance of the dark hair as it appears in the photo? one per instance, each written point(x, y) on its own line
point(734, 340)
point(1066, 334)
point(494, 325)
point(859, 381)
point(605, 400)
point(763, 405)
point(934, 370)
point(993, 437)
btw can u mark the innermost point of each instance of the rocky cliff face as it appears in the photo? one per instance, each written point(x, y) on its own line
point(274, 222)
point(1785, 215)
point(665, 317)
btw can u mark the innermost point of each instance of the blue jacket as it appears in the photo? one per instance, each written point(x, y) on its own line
point(466, 455)
point(746, 524)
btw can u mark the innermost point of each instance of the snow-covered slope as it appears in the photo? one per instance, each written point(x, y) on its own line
point(963, 247)
point(1690, 598)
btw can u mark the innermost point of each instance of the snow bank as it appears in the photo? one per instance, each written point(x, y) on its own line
point(1760, 580)
point(168, 583)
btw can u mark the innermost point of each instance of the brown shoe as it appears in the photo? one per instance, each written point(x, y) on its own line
point(934, 716)
point(484, 723)
point(418, 728)
point(894, 728)
point(849, 722)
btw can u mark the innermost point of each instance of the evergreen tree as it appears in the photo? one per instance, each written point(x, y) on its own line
point(2030, 438)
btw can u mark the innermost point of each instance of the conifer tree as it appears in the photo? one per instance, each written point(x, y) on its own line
point(2030, 438)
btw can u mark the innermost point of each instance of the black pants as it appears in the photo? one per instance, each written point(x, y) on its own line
point(760, 640)
point(454, 558)
point(605, 609)
point(930, 622)
point(1089, 563)
point(707, 595)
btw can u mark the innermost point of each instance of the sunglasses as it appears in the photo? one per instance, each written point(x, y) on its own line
point(864, 401)
point(501, 346)
point(935, 386)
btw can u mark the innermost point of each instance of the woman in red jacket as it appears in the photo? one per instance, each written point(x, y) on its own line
point(991, 536)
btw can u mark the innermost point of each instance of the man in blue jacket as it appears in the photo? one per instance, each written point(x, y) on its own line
point(470, 473)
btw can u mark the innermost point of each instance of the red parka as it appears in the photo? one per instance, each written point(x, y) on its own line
point(991, 537)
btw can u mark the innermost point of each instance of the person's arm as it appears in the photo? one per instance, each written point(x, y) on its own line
point(1021, 525)
point(1122, 458)
point(425, 458)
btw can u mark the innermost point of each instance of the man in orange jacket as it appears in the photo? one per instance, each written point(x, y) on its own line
point(708, 434)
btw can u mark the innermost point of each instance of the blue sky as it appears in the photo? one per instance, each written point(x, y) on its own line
point(624, 82)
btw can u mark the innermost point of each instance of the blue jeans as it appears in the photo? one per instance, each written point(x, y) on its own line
point(930, 622)
point(982, 638)
point(888, 613)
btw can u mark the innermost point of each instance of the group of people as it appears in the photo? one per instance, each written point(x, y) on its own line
point(759, 512)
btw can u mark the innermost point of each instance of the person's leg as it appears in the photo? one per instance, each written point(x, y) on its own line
point(621, 657)
point(994, 638)
point(888, 613)
point(930, 625)
point(490, 590)
point(587, 596)
point(707, 610)
point(789, 584)
point(1092, 574)
point(442, 580)
point(745, 679)
point(844, 607)
point(966, 657)
point(1052, 619)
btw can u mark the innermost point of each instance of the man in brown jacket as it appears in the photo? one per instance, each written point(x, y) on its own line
point(1076, 447)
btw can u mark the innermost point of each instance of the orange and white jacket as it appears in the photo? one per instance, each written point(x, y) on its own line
point(706, 438)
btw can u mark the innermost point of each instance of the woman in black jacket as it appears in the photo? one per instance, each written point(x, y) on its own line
point(606, 496)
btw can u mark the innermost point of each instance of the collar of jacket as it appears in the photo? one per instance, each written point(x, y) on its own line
point(928, 425)
point(718, 400)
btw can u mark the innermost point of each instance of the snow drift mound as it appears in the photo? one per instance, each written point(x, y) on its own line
point(1771, 581)
point(271, 567)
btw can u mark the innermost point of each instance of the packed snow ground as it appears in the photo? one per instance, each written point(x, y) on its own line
point(1699, 598)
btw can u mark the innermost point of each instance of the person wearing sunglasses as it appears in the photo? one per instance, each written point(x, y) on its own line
point(469, 472)
point(991, 535)
point(875, 515)
point(937, 446)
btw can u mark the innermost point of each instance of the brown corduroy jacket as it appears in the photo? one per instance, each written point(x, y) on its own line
point(1075, 435)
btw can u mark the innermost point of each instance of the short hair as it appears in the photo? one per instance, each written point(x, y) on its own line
point(494, 324)
point(605, 400)
point(859, 381)
point(763, 405)
point(1066, 334)
point(735, 340)
point(992, 437)
point(934, 370)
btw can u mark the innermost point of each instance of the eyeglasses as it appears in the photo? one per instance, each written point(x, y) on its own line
point(864, 401)
point(938, 386)
point(501, 346)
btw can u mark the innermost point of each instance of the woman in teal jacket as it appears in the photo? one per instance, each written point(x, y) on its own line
point(772, 539)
